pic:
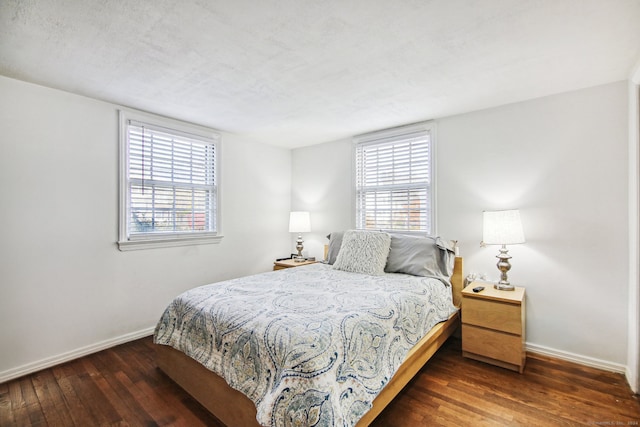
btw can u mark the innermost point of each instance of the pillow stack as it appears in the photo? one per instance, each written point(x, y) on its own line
point(375, 252)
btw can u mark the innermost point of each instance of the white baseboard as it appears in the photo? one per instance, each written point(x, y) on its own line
point(576, 358)
point(632, 379)
point(74, 354)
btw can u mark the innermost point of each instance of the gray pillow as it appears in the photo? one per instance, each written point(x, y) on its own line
point(363, 252)
point(335, 241)
point(420, 256)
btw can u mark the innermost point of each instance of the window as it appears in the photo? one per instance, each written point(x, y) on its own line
point(169, 185)
point(394, 179)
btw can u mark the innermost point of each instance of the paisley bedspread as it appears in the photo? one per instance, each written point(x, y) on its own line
point(308, 345)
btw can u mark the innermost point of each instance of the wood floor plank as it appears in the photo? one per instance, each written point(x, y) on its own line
point(18, 406)
point(117, 367)
point(448, 396)
point(492, 395)
point(528, 402)
point(53, 405)
point(605, 390)
point(99, 408)
point(118, 395)
point(159, 412)
point(556, 402)
point(77, 411)
point(512, 392)
point(31, 403)
point(6, 415)
point(123, 387)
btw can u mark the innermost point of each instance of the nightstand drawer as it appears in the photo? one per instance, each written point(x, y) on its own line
point(492, 344)
point(492, 314)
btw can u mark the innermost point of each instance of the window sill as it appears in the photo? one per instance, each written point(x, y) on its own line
point(138, 244)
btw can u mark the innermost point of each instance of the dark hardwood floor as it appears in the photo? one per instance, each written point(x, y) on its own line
point(122, 387)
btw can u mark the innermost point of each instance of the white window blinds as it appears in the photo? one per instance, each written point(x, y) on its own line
point(394, 180)
point(171, 183)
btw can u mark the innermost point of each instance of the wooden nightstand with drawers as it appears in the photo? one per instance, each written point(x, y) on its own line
point(289, 263)
point(493, 326)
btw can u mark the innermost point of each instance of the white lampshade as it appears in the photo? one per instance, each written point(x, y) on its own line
point(502, 228)
point(299, 222)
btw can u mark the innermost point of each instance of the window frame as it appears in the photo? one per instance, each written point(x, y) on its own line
point(166, 239)
point(387, 134)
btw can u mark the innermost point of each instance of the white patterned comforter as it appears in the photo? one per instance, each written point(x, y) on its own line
point(308, 345)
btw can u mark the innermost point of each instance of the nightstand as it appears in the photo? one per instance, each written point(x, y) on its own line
point(493, 326)
point(289, 263)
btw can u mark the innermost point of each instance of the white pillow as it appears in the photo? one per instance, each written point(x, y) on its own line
point(363, 252)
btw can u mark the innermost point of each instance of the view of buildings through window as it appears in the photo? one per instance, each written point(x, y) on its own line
point(171, 182)
point(393, 181)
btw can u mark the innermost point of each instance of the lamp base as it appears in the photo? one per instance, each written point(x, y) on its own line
point(504, 266)
point(299, 248)
point(504, 286)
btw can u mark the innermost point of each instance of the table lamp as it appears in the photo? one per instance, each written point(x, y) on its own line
point(299, 222)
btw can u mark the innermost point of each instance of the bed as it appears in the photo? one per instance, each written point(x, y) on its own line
point(323, 344)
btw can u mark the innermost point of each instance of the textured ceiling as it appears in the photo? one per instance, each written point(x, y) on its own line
point(299, 72)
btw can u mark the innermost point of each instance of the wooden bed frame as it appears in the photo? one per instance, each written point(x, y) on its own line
point(235, 409)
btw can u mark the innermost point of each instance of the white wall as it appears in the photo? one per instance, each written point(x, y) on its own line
point(65, 288)
point(322, 185)
point(633, 357)
point(562, 160)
